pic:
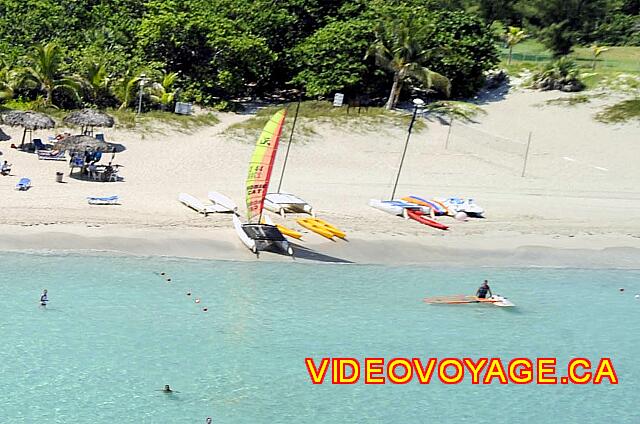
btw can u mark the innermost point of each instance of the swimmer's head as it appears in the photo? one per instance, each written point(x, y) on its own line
point(44, 291)
point(205, 309)
point(188, 293)
point(168, 280)
point(167, 388)
point(162, 273)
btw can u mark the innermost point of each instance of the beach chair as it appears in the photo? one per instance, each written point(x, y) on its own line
point(111, 200)
point(24, 184)
point(100, 136)
point(39, 145)
point(51, 155)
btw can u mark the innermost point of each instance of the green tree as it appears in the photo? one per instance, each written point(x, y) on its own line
point(45, 73)
point(330, 59)
point(398, 51)
point(513, 36)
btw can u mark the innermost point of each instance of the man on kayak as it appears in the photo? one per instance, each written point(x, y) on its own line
point(483, 290)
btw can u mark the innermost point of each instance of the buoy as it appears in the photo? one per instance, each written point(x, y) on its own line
point(461, 216)
point(197, 300)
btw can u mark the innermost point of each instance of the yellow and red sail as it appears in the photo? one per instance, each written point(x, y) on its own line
point(261, 164)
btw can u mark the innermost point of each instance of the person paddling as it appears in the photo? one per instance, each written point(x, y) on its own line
point(483, 290)
point(43, 298)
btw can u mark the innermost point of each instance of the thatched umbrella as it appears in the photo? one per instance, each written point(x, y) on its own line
point(86, 118)
point(78, 143)
point(29, 120)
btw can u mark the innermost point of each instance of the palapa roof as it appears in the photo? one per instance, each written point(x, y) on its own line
point(28, 119)
point(89, 117)
point(79, 143)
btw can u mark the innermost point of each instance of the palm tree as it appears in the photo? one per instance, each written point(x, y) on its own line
point(597, 50)
point(124, 88)
point(45, 73)
point(396, 50)
point(513, 36)
point(9, 80)
point(161, 92)
point(96, 81)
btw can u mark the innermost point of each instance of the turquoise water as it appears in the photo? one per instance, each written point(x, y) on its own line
point(115, 332)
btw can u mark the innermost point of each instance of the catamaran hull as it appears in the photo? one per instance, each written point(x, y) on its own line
point(262, 237)
point(282, 203)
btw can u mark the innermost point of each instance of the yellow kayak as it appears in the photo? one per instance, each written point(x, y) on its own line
point(321, 227)
point(284, 230)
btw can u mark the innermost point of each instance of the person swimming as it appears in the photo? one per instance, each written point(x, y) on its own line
point(43, 298)
point(168, 389)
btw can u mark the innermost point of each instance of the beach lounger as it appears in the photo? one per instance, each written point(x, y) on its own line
point(51, 155)
point(24, 184)
point(111, 200)
point(39, 145)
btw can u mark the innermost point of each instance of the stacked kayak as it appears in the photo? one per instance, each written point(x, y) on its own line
point(321, 227)
point(409, 210)
point(437, 207)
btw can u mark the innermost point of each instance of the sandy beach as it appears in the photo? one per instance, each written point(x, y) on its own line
point(578, 204)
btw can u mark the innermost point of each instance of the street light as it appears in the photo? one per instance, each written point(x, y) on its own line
point(417, 104)
point(143, 80)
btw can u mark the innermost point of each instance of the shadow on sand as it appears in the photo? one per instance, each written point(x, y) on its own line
point(301, 252)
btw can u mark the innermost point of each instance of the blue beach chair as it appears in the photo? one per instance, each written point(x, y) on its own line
point(38, 144)
point(23, 184)
point(111, 200)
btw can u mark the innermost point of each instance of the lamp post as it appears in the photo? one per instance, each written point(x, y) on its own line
point(143, 80)
point(417, 104)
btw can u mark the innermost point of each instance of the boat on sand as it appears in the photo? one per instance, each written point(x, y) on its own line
point(259, 236)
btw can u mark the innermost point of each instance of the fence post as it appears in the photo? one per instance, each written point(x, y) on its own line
point(526, 156)
point(446, 143)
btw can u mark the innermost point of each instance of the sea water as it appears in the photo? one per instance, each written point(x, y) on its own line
point(115, 332)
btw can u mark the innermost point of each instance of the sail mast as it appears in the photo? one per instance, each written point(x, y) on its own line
point(286, 155)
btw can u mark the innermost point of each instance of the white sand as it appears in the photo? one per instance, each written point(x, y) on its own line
point(580, 194)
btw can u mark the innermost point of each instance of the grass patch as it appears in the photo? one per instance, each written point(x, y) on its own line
point(621, 112)
point(570, 101)
point(314, 112)
point(145, 121)
point(622, 58)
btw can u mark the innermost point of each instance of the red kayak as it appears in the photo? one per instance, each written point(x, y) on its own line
point(417, 216)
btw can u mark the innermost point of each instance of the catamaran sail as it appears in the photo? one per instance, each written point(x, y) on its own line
point(262, 236)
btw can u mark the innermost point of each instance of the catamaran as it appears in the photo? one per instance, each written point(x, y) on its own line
point(259, 236)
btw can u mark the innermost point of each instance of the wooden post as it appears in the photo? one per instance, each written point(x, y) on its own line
point(446, 143)
point(526, 156)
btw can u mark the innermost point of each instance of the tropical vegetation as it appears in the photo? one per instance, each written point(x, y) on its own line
point(78, 53)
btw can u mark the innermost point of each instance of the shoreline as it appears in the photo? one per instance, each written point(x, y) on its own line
point(515, 251)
